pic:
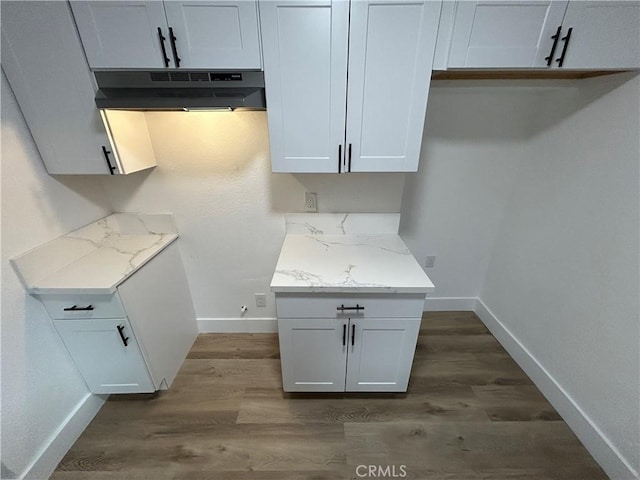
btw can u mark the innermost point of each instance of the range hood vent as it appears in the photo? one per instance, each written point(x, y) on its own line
point(180, 90)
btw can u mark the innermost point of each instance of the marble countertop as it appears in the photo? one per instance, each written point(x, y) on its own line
point(98, 257)
point(346, 260)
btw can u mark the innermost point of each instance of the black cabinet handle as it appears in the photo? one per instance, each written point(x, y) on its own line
point(353, 334)
point(342, 308)
point(122, 337)
point(564, 48)
point(173, 39)
point(349, 158)
point(555, 37)
point(164, 50)
point(76, 308)
point(339, 158)
point(106, 153)
point(344, 334)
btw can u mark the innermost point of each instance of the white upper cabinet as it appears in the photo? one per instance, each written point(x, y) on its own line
point(56, 92)
point(572, 34)
point(504, 34)
point(123, 33)
point(391, 48)
point(605, 35)
point(153, 34)
point(305, 54)
point(347, 90)
point(215, 34)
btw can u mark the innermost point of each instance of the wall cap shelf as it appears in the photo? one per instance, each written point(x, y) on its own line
point(472, 74)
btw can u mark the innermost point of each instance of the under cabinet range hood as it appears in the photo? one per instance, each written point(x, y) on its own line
point(180, 90)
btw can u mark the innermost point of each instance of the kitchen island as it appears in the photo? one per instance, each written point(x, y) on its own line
point(349, 300)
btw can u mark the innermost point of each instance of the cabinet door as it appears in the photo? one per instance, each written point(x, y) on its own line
point(504, 33)
point(605, 35)
point(215, 34)
point(159, 305)
point(391, 49)
point(61, 114)
point(43, 61)
point(381, 354)
point(123, 34)
point(99, 352)
point(132, 150)
point(313, 354)
point(305, 66)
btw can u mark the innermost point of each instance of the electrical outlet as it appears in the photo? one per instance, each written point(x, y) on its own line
point(310, 202)
point(261, 299)
point(430, 261)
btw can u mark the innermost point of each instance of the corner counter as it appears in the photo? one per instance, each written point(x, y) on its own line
point(95, 258)
point(117, 294)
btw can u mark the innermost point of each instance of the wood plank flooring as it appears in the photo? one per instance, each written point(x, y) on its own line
point(470, 413)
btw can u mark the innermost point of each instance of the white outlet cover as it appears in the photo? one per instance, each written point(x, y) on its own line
point(310, 202)
point(261, 299)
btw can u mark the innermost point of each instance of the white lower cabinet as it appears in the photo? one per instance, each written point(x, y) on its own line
point(133, 340)
point(313, 354)
point(380, 354)
point(362, 347)
point(107, 354)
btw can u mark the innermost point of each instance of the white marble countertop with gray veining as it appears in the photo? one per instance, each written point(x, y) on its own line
point(98, 257)
point(346, 260)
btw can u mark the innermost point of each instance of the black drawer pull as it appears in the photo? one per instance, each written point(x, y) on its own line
point(76, 308)
point(564, 48)
point(339, 158)
point(555, 38)
point(122, 337)
point(344, 334)
point(106, 153)
point(174, 49)
point(164, 50)
point(353, 334)
point(342, 308)
point(349, 158)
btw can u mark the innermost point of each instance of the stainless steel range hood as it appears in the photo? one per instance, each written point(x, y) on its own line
point(181, 90)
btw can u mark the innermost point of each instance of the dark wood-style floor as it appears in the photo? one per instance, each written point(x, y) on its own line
point(470, 413)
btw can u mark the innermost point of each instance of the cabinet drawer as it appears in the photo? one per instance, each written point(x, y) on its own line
point(83, 306)
point(330, 305)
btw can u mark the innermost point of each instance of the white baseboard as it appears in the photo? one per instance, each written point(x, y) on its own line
point(64, 437)
point(237, 325)
point(603, 451)
point(444, 304)
point(270, 325)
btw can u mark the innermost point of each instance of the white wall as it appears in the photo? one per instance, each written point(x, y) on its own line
point(484, 146)
point(473, 142)
point(40, 384)
point(563, 278)
point(214, 174)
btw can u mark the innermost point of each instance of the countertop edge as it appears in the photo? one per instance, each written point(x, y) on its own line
point(107, 290)
point(352, 290)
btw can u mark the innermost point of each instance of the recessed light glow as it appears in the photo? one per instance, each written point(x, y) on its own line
point(208, 109)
